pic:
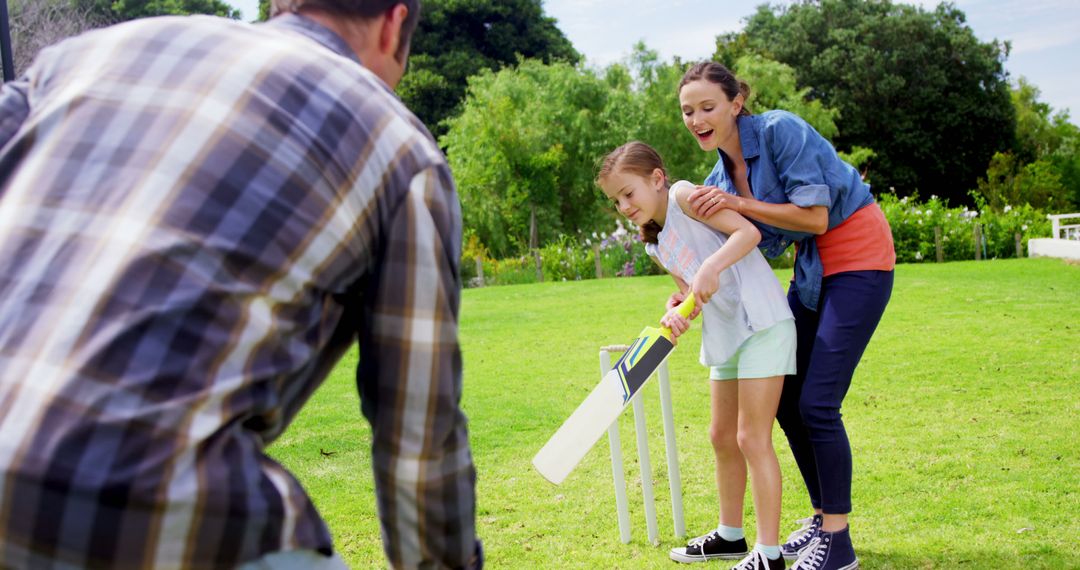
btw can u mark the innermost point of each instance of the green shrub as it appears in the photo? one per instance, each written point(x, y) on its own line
point(622, 253)
point(913, 226)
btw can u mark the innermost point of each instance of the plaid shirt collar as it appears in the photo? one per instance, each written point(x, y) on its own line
point(311, 29)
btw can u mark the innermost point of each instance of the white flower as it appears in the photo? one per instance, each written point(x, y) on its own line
point(929, 211)
point(1008, 207)
point(918, 255)
point(588, 241)
point(1024, 227)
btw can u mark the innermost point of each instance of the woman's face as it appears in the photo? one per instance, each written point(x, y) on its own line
point(708, 113)
point(637, 197)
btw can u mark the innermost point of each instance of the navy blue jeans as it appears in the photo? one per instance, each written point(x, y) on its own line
point(831, 342)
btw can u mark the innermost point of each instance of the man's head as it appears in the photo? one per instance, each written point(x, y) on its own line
point(379, 31)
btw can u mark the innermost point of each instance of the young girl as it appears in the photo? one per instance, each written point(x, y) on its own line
point(748, 342)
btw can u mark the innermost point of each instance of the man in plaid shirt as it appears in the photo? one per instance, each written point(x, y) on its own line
point(198, 217)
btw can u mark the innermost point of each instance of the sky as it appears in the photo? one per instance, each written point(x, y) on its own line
point(1045, 34)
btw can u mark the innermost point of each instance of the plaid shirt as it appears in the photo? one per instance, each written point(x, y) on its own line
point(198, 217)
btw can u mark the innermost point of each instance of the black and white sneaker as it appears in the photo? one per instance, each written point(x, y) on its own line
point(798, 540)
point(828, 551)
point(758, 561)
point(710, 547)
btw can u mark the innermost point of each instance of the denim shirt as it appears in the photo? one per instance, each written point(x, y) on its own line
point(788, 161)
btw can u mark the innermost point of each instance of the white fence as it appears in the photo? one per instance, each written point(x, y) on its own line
point(1065, 231)
point(1064, 241)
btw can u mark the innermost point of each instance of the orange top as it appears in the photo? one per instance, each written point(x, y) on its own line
point(862, 242)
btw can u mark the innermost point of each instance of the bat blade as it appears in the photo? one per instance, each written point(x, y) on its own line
point(577, 435)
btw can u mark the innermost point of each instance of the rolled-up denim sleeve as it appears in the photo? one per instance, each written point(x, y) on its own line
point(797, 151)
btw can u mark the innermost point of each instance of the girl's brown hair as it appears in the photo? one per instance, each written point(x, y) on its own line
point(716, 73)
point(640, 159)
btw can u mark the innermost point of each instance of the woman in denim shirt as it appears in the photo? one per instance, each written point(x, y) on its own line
point(776, 170)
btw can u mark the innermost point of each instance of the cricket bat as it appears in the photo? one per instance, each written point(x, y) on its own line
point(576, 436)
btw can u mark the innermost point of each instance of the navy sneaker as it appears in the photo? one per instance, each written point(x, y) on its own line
point(828, 551)
point(710, 547)
point(758, 561)
point(798, 540)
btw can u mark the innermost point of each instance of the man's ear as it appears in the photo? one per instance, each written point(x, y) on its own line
point(390, 31)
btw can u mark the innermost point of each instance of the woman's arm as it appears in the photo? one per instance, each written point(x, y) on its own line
point(800, 157)
point(706, 201)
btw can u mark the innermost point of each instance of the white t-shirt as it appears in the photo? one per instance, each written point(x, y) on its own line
point(749, 298)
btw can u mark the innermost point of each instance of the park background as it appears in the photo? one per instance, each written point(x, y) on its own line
point(964, 410)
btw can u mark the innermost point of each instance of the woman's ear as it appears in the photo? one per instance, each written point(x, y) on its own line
point(737, 104)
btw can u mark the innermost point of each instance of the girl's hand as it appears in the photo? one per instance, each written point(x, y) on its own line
point(676, 322)
point(677, 298)
point(705, 284)
point(708, 200)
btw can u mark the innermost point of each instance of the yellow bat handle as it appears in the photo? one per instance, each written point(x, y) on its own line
point(684, 309)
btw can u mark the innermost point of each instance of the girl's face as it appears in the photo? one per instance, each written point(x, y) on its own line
point(639, 198)
point(708, 113)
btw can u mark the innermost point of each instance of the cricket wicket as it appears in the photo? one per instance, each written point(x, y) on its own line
point(643, 457)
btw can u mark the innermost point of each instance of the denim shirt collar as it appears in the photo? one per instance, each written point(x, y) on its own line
point(748, 135)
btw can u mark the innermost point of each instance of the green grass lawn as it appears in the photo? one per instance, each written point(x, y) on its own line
point(963, 418)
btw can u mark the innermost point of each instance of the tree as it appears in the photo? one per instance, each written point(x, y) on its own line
point(36, 24)
point(457, 39)
point(917, 87)
point(773, 87)
point(644, 106)
point(524, 149)
point(122, 10)
point(1009, 182)
point(1045, 139)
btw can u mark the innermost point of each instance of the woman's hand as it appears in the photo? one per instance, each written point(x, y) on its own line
point(708, 200)
point(677, 298)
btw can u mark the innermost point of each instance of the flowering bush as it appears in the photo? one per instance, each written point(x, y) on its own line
point(913, 226)
point(565, 260)
point(622, 253)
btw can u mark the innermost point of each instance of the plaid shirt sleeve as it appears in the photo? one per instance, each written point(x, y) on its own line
point(13, 110)
point(410, 382)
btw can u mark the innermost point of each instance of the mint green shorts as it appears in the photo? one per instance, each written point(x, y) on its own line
point(768, 353)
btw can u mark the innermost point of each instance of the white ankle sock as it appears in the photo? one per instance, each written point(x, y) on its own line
point(770, 552)
point(730, 532)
